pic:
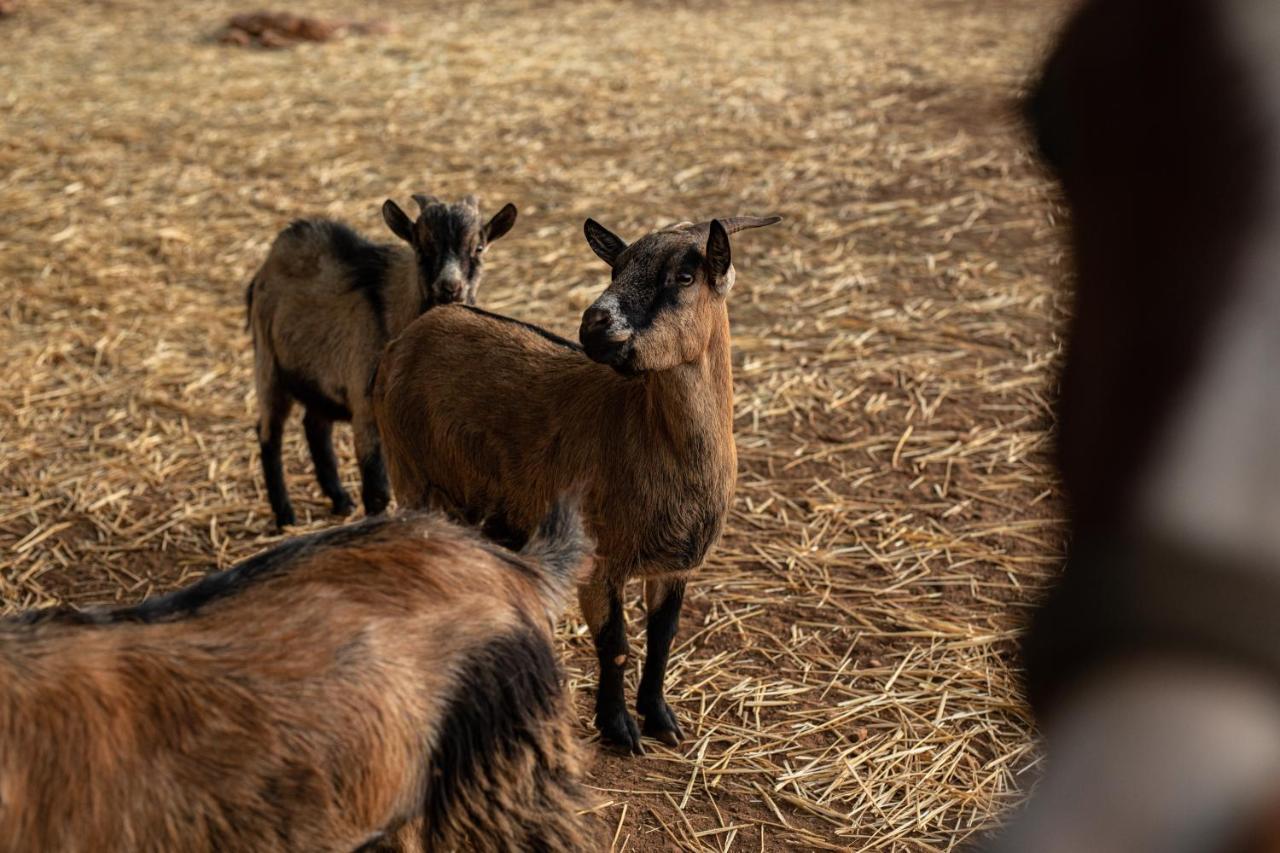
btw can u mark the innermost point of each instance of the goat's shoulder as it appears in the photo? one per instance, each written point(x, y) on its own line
point(467, 322)
point(323, 251)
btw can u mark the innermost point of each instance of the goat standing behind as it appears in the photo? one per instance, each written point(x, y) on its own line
point(321, 309)
point(331, 694)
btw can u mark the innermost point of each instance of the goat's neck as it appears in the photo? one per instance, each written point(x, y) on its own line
point(407, 297)
point(695, 400)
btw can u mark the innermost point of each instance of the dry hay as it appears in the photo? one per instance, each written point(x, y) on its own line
point(845, 667)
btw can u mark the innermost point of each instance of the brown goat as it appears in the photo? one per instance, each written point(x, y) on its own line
point(334, 693)
point(321, 309)
point(649, 442)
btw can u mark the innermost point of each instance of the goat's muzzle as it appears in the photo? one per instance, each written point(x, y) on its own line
point(451, 291)
point(606, 339)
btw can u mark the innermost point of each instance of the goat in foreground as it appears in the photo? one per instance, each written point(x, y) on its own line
point(321, 309)
point(339, 692)
point(640, 417)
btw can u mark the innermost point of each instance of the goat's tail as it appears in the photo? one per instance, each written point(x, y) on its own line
point(562, 547)
point(248, 304)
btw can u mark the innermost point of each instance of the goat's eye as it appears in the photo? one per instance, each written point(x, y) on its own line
point(480, 249)
point(684, 279)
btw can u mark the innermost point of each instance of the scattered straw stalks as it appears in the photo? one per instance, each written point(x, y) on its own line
point(845, 670)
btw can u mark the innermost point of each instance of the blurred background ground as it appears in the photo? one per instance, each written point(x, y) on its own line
point(845, 669)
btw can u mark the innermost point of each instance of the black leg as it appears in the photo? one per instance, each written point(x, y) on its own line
point(319, 431)
point(663, 598)
point(374, 489)
point(613, 720)
point(271, 444)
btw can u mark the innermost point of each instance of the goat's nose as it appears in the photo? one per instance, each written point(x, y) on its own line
point(595, 319)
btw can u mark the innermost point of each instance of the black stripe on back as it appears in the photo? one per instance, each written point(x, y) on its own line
point(189, 600)
point(537, 330)
point(368, 263)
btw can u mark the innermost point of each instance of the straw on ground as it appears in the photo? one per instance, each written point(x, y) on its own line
point(845, 670)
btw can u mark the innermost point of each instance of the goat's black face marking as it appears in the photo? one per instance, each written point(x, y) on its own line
point(665, 293)
point(655, 276)
point(657, 283)
point(648, 279)
point(449, 241)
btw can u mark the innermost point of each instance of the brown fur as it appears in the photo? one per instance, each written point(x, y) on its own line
point(322, 307)
point(490, 419)
point(306, 707)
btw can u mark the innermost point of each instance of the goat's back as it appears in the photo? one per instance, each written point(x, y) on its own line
point(325, 302)
point(479, 410)
point(308, 699)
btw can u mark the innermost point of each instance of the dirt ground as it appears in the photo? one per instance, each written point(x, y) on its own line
point(845, 670)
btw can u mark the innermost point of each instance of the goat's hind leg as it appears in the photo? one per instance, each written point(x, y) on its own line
point(274, 404)
point(601, 601)
point(375, 491)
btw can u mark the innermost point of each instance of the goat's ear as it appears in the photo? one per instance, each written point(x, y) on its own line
point(607, 245)
point(397, 220)
point(719, 257)
point(500, 223)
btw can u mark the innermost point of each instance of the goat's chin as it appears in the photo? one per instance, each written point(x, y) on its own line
point(621, 357)
point(627, 369)
point(623, 365)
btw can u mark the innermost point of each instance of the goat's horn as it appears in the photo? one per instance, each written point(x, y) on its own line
point(737, 223)
point(741, 223)
point(425, 201)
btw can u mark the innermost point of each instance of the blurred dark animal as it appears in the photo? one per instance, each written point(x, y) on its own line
point(321, 309)
point(343, 691)
point(1154, 663)
point(490, 418)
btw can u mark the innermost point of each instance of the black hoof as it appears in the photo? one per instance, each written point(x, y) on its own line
point(618, 728)
point(660, 723)
point(343, 506)
point(375, 506)
point(285, 519)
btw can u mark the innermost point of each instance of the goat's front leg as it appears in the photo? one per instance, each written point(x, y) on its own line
point(374, 489)
point(663, 598)
point(319, 431)
point(601, 601)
